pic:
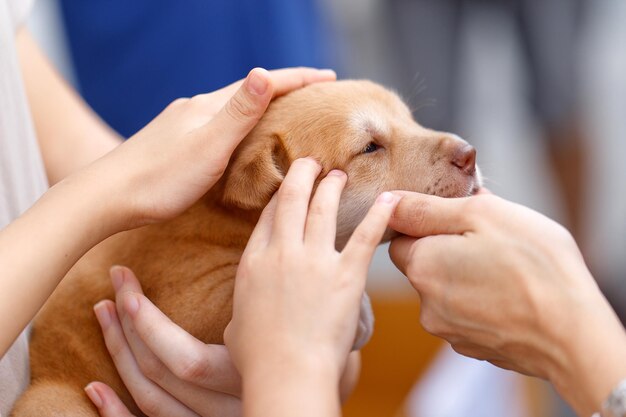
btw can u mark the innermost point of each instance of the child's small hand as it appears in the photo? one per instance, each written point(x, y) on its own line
point(296, 298)
point(175, 159)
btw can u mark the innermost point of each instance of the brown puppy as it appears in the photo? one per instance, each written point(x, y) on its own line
point(187, 265)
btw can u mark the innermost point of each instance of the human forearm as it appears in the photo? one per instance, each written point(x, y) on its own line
point(594, 357)
point(291, 388)
point(37, 249)
point(70, 134)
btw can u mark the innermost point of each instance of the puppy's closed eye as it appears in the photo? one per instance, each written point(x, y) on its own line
point(371, 147)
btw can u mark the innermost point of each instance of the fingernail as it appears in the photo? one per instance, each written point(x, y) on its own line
point(336, 173)
point(117, 277)
point(328, 72)
point(94, 396)
point(131, 303)
point(386, 198)
point(102, 314)
point(257, 83)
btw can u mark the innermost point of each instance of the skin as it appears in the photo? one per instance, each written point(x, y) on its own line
point(504, 283)
point(289, 351)
point(159, 360)
point(102, 187)
point(497, 280)
point(513, 271)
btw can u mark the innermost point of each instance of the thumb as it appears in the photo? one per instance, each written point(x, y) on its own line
point(420, 215)
point(242, 111)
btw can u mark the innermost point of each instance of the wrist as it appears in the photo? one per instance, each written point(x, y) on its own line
point(67, 221)
point(291, 386)
point(285, 364)
point(91, 201)
point(593, 356)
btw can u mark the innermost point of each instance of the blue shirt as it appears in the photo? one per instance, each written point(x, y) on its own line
point(133, 57)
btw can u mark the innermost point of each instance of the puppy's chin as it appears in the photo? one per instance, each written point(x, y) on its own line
point(463, 187)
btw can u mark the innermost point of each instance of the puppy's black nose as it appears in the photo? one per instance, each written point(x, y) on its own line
point(464, 157)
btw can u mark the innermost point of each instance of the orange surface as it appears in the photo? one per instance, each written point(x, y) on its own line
point(393, 360)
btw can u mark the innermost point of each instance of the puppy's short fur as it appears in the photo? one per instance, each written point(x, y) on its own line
point(187, 265)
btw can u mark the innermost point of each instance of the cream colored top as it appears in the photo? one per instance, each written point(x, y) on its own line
point(22, 176)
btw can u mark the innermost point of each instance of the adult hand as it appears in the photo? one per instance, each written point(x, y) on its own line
point(177, 157)
point(296, 301)
point(505, 284)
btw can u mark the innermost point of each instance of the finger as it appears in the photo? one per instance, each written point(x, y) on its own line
point(421, 215)
point(166, 347)
point(363, 242)
point(106, 400)
point(321, 224)
point(180, 381)
point(408, 253)
point(289, 79)
point(240, 113)
point(400, 251)
point(124, 279)
point(183, 356)
point(472, 350)
point(151, 399)
point(293, 200)
point(426, 261)
point(286, 80)
point(262, 232)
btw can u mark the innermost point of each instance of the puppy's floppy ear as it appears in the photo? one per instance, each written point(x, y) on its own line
point(256, 173)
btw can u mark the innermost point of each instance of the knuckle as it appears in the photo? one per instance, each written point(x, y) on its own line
point(429, 321)
point(240, 108)
point(178, 103)
point(149, 404)
point(197, 100)
point(152, 367)
point(317, 210)
point(416, 215)
point(363, 237)
point(114, 346)
point(193, 368)
point(377, 220)
point(480, 204)
point(469, 350)
point(289, 192)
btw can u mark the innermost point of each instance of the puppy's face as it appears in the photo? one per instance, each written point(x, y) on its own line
point(360, 128)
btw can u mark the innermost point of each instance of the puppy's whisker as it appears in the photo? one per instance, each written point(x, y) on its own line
point(416, 87)
point(423, 104)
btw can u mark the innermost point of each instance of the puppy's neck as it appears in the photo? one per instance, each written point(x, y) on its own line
point(218, 223)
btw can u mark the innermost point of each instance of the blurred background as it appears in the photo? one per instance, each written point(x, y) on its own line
point(538, 87)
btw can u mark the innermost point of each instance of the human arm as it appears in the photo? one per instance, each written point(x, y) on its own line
point(166, 370)
point(153, 176)
point(69, 132)
point(505, 284)
point(296, 300)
